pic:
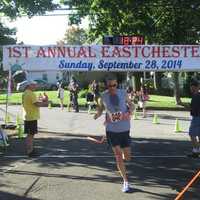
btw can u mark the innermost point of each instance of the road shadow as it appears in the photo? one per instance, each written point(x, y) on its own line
point(157, 162)
point(169, 117)
point(10, 196)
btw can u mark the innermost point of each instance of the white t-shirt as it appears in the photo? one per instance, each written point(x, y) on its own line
point(61, 93)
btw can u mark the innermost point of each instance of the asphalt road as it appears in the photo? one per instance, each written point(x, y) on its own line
point(70, 167)
point(74, 168)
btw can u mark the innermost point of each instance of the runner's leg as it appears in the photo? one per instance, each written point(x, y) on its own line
point(120, 163)
point(126, 153)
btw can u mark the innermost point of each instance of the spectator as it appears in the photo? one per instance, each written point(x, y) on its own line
point(61, 94)
point(194, 130)
point(136, 99)
point(45, 97)
point(40, 97)
point(130, 92)
point(143, 98)
point(31, 114)
point(90, 101)
point(73, 89)
point(95, 90)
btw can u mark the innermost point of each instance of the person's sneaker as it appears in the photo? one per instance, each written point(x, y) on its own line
point(33, 154)
point(125, 187)
point(196, 150)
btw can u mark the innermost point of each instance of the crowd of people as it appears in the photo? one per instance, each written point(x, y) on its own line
point(73, 88)
point(139, 98)
point(92, 95)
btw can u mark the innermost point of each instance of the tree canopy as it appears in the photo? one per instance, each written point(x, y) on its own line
point(160, 21)
point(75, 35)
point(14, 8)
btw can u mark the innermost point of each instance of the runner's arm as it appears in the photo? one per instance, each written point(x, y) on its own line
point(100, 141)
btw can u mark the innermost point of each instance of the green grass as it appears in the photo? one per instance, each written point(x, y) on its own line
point(16, 98)
point(155, 101)
point(165, 101)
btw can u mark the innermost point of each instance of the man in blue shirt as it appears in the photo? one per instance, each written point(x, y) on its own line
point(119, 110)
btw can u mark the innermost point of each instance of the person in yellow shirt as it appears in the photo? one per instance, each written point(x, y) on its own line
point(31, 114)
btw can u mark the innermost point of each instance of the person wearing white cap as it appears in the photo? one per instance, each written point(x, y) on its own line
point(31, 114)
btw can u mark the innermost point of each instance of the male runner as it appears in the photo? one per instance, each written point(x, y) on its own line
point(118, 109)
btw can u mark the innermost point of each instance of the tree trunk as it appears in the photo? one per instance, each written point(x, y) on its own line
point(137, 80)
point(177, 88)
point(157, 81)
point(188, 80)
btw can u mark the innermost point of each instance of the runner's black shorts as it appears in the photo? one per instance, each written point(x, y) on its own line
point(30, 127)
point(121, 139)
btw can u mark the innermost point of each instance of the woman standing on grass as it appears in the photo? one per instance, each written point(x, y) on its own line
point(61, 95)
point(143, 98)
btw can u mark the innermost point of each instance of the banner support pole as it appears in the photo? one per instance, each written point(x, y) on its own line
point(7, 95)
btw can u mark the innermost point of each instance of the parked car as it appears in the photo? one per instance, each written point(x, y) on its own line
point(44, 85)
point(41, 85)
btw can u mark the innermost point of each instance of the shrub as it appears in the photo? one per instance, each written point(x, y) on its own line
point(83, 93)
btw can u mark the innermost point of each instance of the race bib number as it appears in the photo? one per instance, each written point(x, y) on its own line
point(116, 117)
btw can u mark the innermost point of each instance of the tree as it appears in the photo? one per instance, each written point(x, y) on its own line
point(178, 23)
point(75, 35)
point(13, 9)
point(112, 16)
point(5, 38)
point(160, 21)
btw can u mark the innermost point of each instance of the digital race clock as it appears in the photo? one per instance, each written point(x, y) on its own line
point(124, 40)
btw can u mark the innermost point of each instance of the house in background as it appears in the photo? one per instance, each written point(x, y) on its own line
point(84, 78)
point(49, 76)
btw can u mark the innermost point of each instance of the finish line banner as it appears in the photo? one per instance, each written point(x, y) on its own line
point(102, 58)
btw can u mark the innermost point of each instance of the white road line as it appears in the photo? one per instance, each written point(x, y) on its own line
point(18, 164)
point(92, 156)
point(30, 160)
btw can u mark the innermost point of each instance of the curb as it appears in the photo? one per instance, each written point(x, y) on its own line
point(14, 134)
point(69, 134)
point(147, 107)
